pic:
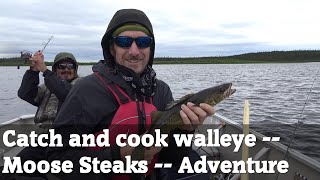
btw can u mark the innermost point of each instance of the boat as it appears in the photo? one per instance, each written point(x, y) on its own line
point(301, 167)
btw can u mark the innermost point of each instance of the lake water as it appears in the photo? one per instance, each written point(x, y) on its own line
point(276, 93)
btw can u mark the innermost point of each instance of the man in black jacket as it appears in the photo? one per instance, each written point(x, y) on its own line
point(119, 96)
point(48, 96)
point(57, 84)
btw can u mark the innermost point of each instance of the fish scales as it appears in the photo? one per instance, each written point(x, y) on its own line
point(170, 119)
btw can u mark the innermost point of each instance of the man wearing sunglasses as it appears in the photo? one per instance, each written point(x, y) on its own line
point(120, 96)
point(48, 97)
point(57, 84)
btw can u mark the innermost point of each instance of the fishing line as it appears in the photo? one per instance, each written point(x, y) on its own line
point(45, 44)
point(299, 120)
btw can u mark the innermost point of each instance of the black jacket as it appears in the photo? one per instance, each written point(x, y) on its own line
point(32, 93)
point(89, 108)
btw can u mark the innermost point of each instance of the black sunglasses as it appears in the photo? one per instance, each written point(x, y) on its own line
point(64, 65)
point(126, 42)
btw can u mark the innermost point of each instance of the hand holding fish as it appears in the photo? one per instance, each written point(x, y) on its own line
point(186, 113)
point(189, 111)
point(193, 116)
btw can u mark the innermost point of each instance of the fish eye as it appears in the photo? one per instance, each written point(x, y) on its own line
point(223, 89)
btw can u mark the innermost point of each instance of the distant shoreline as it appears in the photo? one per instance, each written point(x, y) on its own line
point(299, 56)
point(225, 61)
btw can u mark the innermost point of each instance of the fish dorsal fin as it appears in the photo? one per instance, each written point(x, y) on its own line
point(180, 101)
point(155, 115)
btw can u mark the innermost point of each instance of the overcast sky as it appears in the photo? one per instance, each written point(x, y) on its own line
point(182, 28)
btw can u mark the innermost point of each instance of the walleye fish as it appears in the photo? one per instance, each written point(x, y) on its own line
point(170, 119)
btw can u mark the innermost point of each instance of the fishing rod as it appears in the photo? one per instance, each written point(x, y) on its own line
point(299, 121)
point(45, 44)
point(26, 55)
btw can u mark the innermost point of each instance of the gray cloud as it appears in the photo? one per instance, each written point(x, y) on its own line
point(237, 25)
point(191, 29)
point(209, 49)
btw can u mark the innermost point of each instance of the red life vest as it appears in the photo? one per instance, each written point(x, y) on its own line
point(126, 120)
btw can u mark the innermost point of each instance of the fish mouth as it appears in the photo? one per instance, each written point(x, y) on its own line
point(229, 91)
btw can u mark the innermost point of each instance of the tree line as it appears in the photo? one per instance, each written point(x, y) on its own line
point(263, 57)
point(258, 57)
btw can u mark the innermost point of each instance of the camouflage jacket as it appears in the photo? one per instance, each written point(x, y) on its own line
point(48, 96)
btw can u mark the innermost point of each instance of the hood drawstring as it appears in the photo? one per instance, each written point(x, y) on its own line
point(142, 116)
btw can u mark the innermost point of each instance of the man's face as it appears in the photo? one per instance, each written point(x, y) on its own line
point(65, 70)
point(132, 57)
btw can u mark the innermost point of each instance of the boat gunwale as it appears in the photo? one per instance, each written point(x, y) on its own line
point(279, 146)
point(23, 117)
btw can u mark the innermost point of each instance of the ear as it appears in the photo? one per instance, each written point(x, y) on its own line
point(111, 49)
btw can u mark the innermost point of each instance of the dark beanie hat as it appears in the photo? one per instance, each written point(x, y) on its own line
point(64, 56)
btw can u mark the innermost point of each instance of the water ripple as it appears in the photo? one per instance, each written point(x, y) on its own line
point(276, 93)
